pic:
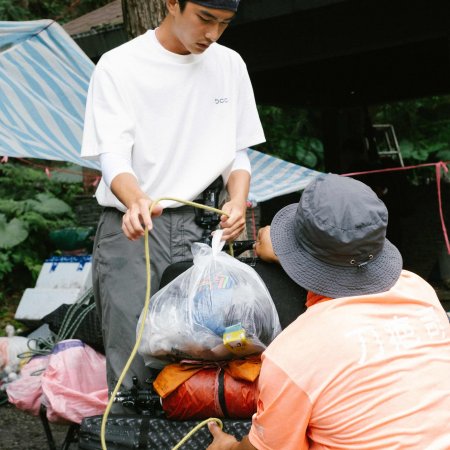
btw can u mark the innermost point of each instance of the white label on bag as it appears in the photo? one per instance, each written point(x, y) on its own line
point(217, 242)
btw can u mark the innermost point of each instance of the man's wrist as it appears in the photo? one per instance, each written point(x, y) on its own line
point(245, 444)
point(239, 201)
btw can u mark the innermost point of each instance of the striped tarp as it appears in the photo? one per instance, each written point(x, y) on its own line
point(272, 177)
point(44, 77)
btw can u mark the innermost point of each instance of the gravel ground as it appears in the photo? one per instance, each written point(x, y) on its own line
point(21, 431)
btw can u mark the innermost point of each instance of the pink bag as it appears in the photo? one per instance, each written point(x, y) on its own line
point(26, 392)
point(73, 386)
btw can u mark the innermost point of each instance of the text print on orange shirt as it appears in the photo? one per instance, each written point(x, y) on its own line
point(399, 334)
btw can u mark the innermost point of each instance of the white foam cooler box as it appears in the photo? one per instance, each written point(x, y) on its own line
point(62, 279)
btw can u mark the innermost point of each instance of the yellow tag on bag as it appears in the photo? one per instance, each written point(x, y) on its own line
point(235, 339)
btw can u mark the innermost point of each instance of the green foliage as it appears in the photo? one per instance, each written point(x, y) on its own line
point(291, 134)
point(12, 10)
point(422, 127)
point(59, 10)
point(12, 233)
point(31, 205)
point(47, 204)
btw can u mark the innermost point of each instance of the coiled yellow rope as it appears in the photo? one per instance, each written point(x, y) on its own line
point(141, 328)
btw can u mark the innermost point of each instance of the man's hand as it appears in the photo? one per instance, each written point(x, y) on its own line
point(126, 188)
point(224, 441)
point(263, 246)
point(137, 218)
point(234, 223)
point(237, 186)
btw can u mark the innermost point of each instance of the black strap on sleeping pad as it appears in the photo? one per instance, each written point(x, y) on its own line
point(221, 392)
point(143, 432)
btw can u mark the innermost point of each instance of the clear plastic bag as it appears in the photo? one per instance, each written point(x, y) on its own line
point(11, 347)
point(218, 309)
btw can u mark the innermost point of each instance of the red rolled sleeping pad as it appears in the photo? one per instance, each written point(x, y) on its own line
point(211, 392)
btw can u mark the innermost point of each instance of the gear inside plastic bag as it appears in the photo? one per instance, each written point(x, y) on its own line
point(218, 309)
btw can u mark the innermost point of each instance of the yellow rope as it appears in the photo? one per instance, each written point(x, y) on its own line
point(196, 428)
point(141, 328)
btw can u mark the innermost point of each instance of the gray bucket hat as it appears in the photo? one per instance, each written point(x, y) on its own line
point(230, 5)
point(333, 242)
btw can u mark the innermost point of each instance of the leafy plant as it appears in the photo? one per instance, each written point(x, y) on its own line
point(422, 126)
point(12, 233)
point(291, 134)
point(31, 205)
point(13, 10)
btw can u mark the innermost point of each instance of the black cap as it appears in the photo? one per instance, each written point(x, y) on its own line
point(231, 5)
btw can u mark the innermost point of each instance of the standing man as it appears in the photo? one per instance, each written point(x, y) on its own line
point(167, 114)
point(367, 366)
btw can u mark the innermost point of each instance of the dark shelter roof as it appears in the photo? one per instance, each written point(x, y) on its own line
point(344, 52)
point(322, 52)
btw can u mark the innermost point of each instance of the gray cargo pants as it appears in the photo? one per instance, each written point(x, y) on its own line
point(119, 279)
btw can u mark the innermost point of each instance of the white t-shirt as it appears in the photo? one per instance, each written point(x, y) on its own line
point(182, 117)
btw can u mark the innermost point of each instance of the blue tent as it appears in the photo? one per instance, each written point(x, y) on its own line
point(44, 77)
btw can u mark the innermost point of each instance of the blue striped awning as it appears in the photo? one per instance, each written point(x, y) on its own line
point(44, 78)
point(272, 177)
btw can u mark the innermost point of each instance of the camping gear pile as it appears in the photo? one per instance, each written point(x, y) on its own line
point(52, 369)
point(56, 370)
point(206, 329)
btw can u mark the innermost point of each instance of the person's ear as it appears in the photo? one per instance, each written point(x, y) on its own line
point(172, 6)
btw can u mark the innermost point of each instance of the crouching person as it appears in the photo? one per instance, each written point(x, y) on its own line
point(367, 366)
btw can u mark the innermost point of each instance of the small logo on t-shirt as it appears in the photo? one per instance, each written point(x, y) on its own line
point(217, 101)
